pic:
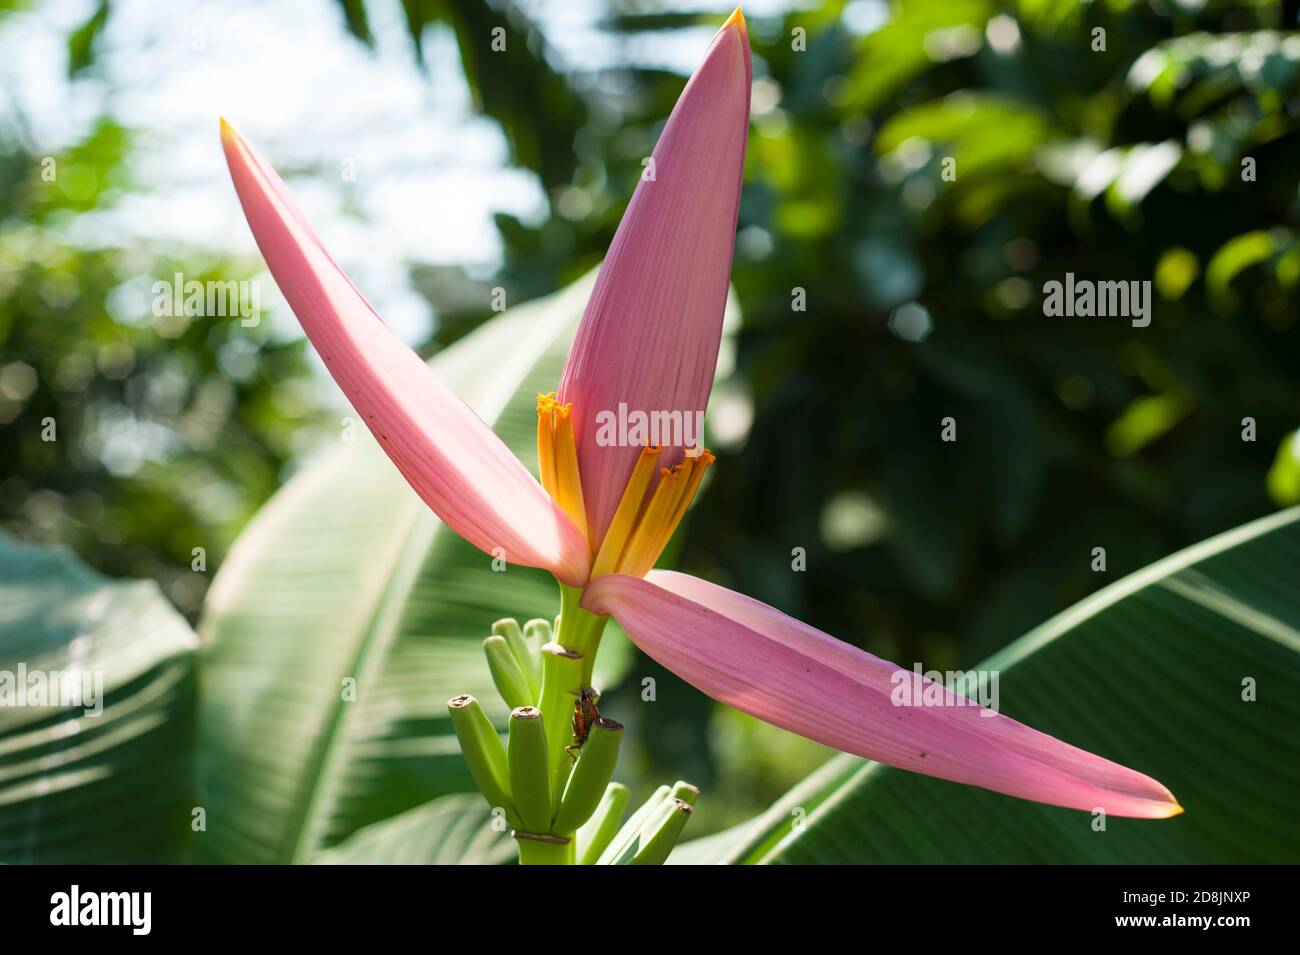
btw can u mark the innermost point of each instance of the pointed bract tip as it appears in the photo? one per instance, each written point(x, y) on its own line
point(1168, 807)
point(228, 132)
point(737, 19)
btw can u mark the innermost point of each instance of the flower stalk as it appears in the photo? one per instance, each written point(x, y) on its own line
point(544, 850)
point(579, 630)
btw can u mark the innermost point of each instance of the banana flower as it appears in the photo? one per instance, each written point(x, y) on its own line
point(605, 508)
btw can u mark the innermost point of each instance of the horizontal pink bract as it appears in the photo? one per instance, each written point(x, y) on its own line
point(787, 673)
point(452, 459)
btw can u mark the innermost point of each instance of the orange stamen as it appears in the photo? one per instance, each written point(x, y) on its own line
point(702, 462)
point(648, 540)
point(644, 522)
point(546, 443)
point(629, 506)
point(568, 482)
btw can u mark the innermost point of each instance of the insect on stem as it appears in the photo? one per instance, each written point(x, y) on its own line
point(585, 715)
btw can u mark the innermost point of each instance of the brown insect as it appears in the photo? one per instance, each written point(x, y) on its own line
point(585, 716)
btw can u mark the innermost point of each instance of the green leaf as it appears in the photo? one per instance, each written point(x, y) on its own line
point(453, 830)
point(1146, 420)
point(1175, 272)
point(1145, 166)
point(984, 133)
point(1200, 69)
point(347, 581)
point(658, 20)
point(918, 35)
point(1238, 254)
point(1148, 672)
point(1284, 476)
point(358, 24)
point(77, 783)
point(538, 108)
point(81, 43)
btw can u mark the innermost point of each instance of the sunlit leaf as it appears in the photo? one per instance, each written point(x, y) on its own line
point(81, 44)
point(1284, 475)
point(918, 35)
point(107, 777)
point(453, 830)
point(1146, 420)
point(1237, 255)
point(1176, 270)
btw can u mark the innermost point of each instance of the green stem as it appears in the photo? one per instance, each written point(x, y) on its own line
point(580, 630)
point(543, 851)
point(566, 667)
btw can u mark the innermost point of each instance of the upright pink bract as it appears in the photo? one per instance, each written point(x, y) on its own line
point(650, 334)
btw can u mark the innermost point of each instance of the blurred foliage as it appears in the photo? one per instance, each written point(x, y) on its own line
point(131, 437)
point(109, 776)
point(511, 81)
point(81, 45)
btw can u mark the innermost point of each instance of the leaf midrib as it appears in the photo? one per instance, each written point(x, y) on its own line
point(405, 568)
